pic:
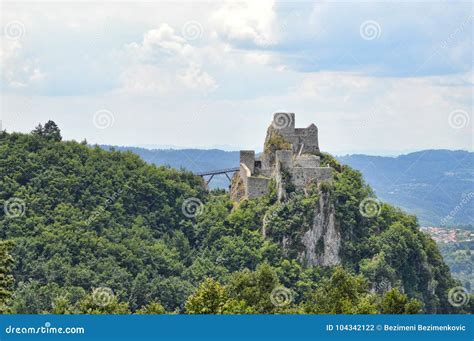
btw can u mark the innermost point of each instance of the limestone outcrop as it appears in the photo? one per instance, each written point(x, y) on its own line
point(322, 241)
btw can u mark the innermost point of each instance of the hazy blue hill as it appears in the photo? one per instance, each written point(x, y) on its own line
point(429, 183)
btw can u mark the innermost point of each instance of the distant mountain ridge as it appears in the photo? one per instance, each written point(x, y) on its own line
point(436, 185)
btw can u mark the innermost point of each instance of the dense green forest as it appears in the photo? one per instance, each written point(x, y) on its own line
point(460, 258)
point(86, 230)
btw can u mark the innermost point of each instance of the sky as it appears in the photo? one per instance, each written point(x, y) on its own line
point(376, 77)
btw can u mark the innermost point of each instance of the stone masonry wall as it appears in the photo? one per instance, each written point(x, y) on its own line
point(247, 157)
point(302, 176)
point(254, 187)
point(257, 187)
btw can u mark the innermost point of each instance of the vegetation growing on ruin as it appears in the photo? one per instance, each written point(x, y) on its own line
point(275, 141)
point(286, 181)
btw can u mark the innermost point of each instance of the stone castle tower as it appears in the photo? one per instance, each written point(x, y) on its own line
point(290, 157)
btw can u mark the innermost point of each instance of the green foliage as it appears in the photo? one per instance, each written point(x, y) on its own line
point(95, 218)
point(255, 287)
point(287, 181)
point(377, 270)
point(211, 298)
point(388, 246)
point(32, 297)
point(289, 220)
point(247, 292)
point(460, 257)
point(106, 219)
point(342, 293)
point(152, 308)
point(276, 141)
point(329, 160)
point(90, 305)
point(50, 131)
point(395, 302)
point(6, 279)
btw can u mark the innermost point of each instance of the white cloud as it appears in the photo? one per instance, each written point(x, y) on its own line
point(384, 114)
point(194, 77)
point(246, 21)
point(164, 62)
point(18, 71)
point(159, 44)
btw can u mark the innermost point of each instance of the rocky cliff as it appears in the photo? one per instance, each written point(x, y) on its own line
point(322, 241)
point(305, 225)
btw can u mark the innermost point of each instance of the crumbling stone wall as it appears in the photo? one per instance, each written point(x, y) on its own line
point(303, 140)
point(289, 151)
point(251, 187)
point(257, 187)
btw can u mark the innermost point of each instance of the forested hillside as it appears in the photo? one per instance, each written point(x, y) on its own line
point(435, 185)
point(86, 230)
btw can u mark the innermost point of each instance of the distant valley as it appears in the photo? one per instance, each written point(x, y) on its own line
point(436, 185)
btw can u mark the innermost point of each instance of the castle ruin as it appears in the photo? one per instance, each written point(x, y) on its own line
point(290, 157)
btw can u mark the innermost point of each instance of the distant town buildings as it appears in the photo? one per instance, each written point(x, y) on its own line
point(448, 235)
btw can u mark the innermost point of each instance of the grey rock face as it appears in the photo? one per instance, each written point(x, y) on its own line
point(322, 242)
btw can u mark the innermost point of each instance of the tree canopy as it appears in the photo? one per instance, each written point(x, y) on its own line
point(94, 231)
